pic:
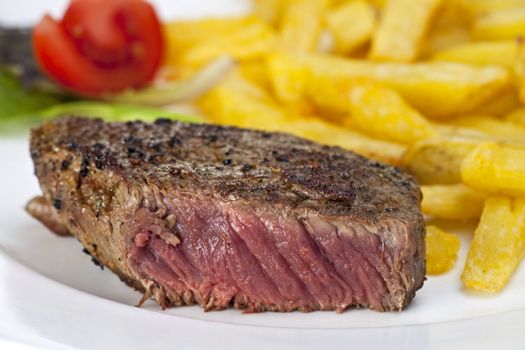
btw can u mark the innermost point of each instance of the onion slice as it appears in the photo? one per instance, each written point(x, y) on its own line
point(179, 91)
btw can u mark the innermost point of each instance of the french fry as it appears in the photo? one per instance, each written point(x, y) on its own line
point(289, 73)
point(372, 108)
point(444, 38)
point(383, 113)
point(456, 132)
point(255, 72)
point(438, 160)
point(379, 4)
point(301, 25)
point(239, 103)
point(495, 168)
point(199, 31)
point(474, 8)
point(437, 89)
point(498, 129)
point(331, 134)
point(399, 39)
point(441, 250)
point(237, 82)
point(519, 71)
point(501, 104)
point(501, 24)
point(498, 245)
point(502, 53)
point(448, 29)
point(269, 10)
point(457, 201)
point(517, 116)
point(252, 42)
point(348, 38)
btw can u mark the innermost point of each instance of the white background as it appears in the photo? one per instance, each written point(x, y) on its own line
point(27, 12)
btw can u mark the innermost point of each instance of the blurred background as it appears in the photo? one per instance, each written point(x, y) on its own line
point(28, 96)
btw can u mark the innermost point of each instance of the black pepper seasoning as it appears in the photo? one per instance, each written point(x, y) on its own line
point(65, 165)
point(84, 167)
point(57, 204)
point(246, 167)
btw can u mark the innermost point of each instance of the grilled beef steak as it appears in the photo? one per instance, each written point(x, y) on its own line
point(222, 216)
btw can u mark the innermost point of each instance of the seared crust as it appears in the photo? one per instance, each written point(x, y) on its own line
point(232, 163)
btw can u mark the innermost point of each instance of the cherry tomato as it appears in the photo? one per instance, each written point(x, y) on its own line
point(100, 46)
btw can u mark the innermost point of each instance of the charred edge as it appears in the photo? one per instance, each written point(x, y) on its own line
point(93, 259)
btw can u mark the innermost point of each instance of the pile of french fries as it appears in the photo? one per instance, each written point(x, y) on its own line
point(436, 87)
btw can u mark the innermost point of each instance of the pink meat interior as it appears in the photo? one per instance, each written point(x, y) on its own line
point(233, 253)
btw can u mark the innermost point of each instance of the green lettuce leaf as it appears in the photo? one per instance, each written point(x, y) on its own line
point(15, 100)
point(21, 109)
point(112, 112)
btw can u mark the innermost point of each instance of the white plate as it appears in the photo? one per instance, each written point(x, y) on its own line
point(52, 296)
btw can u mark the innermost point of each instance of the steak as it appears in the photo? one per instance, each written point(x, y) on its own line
point(221, 216)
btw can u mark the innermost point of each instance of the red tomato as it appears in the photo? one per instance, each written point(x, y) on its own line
point(101, 46)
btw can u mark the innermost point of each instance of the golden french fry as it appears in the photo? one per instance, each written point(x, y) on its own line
point(441, 250)
point(475, 8)
point(301, 25)
point(444, 39)
point(455, 201)
point(252, 42)
point(381, 112)
point(288, 74)
point(181, 35)
point(498, 245)
point(460, 134)
point(376, 3)
point(374, 109)
point(495, 168)
point(362, 17)
point(498, 129)
point(517, 116)
point(500, 24)
point(456, 132)
point(437, 89)
point(402, 29)
point(438, 160)
point(482, 53)
point(237, 82)
point(269, 10)
point(501, 104)
point(448, 28)
point(255, 72)
point(239, 103)
point(331, 97)
point(519, 71)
